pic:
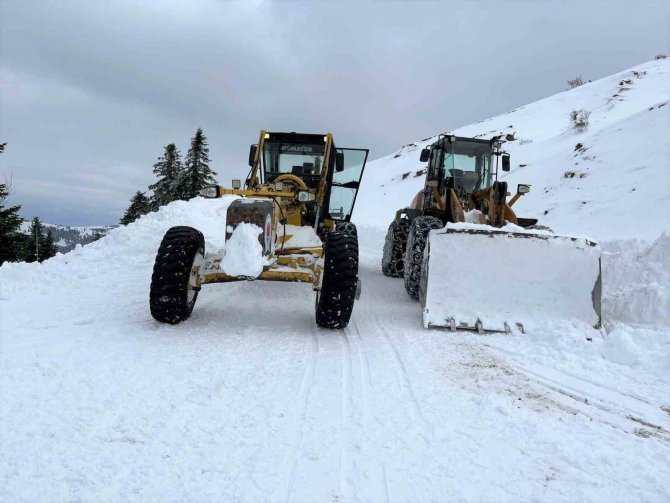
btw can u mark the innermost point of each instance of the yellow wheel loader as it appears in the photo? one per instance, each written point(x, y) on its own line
point(474, 264)
point(299, 196)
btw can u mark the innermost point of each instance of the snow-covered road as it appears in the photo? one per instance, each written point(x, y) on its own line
point(248, 400)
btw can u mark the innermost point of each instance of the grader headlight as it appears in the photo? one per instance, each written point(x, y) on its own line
point(210, 192)
point(305, 196)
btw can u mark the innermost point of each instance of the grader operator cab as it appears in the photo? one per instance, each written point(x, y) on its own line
point(474, 264)
point(299, 193)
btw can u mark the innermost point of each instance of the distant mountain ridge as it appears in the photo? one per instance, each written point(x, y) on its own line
point(68, 237)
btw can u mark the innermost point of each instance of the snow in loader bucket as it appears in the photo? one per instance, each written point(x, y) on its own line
point(477, 277)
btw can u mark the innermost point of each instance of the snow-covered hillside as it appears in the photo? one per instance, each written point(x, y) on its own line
point(67, 237)
point(249, 401)
point(610, 181)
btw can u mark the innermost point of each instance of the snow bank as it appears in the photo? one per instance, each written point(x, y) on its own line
point(637, 347)
point(124, 248)
point(243, 252)
point(636, 282)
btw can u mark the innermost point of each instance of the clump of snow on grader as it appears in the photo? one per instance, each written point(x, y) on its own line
point(243, 255)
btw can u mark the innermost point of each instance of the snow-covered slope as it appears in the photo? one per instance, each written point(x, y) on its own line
point(610, 181)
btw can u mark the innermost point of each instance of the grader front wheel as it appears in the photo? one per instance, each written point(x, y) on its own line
point(340, 279)
point(172, 294)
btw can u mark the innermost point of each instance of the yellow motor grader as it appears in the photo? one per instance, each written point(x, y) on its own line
point(299, 194)
point(474, 264)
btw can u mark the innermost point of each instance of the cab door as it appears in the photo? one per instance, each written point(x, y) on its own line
point(345, 183)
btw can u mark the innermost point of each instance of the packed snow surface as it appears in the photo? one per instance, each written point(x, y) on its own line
point(249, 401)
point(243, 255)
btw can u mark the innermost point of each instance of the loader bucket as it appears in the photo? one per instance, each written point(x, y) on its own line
point(489, 279)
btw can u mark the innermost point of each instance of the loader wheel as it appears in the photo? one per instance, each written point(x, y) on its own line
point(394, 248)
point(340, 279)
point(171, 297)
point(416, 243)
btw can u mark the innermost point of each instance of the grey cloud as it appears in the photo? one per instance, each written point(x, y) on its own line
point(92, 91)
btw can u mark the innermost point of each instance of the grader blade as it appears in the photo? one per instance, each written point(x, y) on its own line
point(487, 279)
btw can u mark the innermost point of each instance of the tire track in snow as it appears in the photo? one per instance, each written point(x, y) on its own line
point(404, 375)
point(346, 409)
point(598, 402)
point(595, 408)
point(290, 462)
point(579, 377)
point(377, 467)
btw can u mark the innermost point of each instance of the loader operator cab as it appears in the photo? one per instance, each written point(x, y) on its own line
point(462, 164)
point(303, 156)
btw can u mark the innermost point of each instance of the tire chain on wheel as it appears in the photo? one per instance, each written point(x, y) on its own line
point(416, 243)
point(347, 228)
point(168, 297)
point(340, 280)
point(394, 248)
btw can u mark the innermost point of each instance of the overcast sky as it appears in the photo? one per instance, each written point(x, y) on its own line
point(92, 91)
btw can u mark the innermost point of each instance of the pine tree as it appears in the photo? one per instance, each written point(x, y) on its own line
point(139, 205)
point(48, 248)
point(11, 239)
point(169, 170)
point(197, 173)
point(35, 241)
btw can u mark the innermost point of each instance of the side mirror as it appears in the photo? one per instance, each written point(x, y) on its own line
point(425, 155)
point(339, 161)
point(252, 154)
point(523, 188)
point(505, 162)
point(237, 184)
